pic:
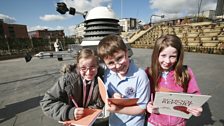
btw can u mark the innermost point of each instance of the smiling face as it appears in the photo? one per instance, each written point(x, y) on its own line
point(118, 63)
point(88, 68)
point(167, 58)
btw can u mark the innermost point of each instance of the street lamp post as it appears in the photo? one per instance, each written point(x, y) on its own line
point(161, 16)
point(199, 9)
point(49, 41)
point(8, 46)
point(31, 41)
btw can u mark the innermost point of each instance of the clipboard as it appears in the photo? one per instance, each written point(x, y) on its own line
point(175, 104)
point(116, 101)
point(89, 118)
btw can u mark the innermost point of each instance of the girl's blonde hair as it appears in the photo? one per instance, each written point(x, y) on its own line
point(84, 53)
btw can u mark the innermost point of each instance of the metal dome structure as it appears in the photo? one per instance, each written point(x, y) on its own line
point(100, 21)
point(101, 13)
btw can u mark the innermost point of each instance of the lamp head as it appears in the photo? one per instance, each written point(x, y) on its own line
point(72, 11)
point(61, 8)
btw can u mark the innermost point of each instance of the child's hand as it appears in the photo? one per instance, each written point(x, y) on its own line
point(67, 124)
point(196, 111)
point(78, 113)
point(151, 108)
point(117, 95)
point(112, 107)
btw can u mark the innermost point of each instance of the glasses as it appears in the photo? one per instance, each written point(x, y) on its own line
point(85, 69)
point(119, 60)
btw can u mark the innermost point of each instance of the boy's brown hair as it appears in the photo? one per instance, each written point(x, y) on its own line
point(109, 45)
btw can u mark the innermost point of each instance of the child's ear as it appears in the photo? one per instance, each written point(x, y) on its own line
point(126, 52)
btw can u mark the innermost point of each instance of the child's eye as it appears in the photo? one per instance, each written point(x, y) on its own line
point(119, 58)
point(173, 56)
point(163, 55)
point(110, 63)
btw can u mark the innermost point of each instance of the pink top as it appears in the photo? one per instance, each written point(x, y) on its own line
point(169, 84)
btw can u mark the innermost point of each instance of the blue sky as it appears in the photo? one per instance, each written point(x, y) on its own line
point(41, 14)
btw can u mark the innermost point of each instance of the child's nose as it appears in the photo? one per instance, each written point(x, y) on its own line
point(88, 71)
point(167, 60)
point(117, 65)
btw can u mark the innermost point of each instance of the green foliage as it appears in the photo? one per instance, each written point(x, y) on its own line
point(35, 44)
point(69, 41)
point(3, 44)
point(39, 42)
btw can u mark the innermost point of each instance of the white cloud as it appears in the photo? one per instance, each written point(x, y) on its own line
point(7, 19)
point(85, 5)
point(79, 5)
point(38, 27)
point(52, 17)
point(70, 30)
point(179, 8)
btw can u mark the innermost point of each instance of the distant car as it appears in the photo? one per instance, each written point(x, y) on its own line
point(42, 54)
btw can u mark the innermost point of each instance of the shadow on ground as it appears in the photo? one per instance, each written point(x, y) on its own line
point(12, 109)
point(204, 119)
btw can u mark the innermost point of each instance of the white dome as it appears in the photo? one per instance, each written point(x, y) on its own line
point(100, 13)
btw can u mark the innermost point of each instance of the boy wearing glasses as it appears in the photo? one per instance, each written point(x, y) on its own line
point(125, 80)
point(75, 90)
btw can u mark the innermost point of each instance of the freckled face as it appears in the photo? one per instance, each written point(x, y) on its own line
point(168, 57)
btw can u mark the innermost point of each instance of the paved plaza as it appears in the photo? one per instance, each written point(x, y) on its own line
point(22, 86)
